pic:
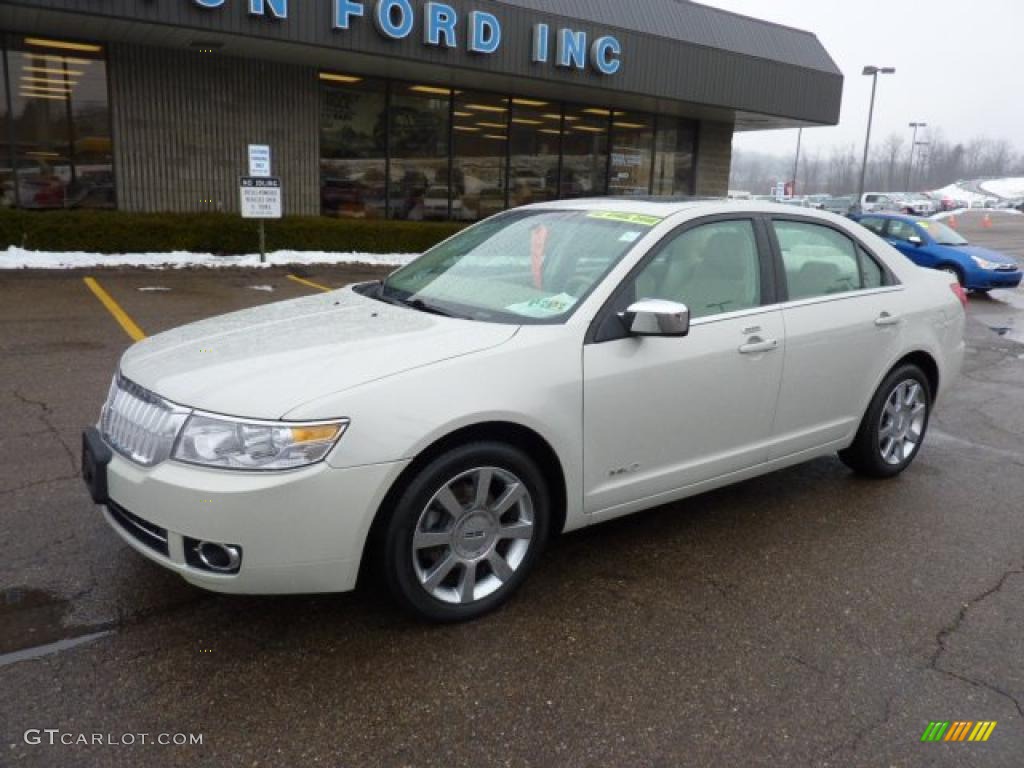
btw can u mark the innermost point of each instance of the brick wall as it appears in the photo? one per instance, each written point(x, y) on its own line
point(714, 159)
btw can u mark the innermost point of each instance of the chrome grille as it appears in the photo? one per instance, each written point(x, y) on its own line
point(138, 424)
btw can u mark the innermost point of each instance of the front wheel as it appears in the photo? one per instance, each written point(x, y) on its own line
point(894, 426)
point(466, 532)
point(955, 273)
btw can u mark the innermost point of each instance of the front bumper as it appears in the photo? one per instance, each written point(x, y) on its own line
point(301, 531)
point(985, 280)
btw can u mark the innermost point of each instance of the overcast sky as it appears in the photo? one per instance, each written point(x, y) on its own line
point(958, 66)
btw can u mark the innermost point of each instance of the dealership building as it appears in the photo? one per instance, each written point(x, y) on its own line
point(403, 109)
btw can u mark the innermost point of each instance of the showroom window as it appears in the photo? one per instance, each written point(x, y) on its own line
point(353, 146)
point(674, 156)
point(632, 154)
point(585, 152)
point(480, 155)
point(59, 120)
point(423, 152)
point(535, 145)
point(419, 167)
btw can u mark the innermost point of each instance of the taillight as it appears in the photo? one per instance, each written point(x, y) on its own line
point(960, 292)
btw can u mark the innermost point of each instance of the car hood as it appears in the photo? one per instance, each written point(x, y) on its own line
point(263, 362)
point(981, 253)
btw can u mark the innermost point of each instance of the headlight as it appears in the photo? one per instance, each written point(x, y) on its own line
point(985, 263)
point(236, 444)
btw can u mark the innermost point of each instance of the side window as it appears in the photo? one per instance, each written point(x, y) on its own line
point(872, 272)
point(874, 223)
point(902, 230)
point(818, 260)
point(712, 269)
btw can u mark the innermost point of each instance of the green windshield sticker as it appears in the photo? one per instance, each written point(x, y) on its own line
point(629, 218)
point(546, 307)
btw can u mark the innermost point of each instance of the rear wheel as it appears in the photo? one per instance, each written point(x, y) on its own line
point(894, 426)
point(466, 532)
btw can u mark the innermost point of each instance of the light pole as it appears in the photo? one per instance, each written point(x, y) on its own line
point(913, 144)
point(796, 165)
point(872, 72)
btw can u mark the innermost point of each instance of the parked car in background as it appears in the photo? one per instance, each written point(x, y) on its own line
point(919, 205)
point(929, 243)
point(841, 206)
point(876, 201)
point(550, 368)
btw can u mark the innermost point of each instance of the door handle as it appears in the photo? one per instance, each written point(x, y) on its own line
point(885, 319)
point(757, 345)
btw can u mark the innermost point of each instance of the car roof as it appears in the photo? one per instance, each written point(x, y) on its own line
point(904, 216)
point(664, 207)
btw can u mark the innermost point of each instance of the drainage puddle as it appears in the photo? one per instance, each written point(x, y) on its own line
point(32, 626)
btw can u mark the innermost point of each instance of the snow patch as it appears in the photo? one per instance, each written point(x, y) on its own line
point(1008, 189)
point(19, 258)
point(989, 211)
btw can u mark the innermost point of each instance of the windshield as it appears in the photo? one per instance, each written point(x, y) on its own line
point(942, 234)
point(519, 267)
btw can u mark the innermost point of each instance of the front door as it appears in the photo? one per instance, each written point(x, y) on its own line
point(661, 414)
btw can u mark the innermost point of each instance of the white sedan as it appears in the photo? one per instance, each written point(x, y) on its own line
point(551, 367)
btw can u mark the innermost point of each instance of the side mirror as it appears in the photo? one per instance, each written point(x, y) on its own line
point(657, 317)
point(915, 240)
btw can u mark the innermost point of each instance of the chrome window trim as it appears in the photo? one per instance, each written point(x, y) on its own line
point(795, 304)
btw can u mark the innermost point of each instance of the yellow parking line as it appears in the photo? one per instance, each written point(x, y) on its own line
point(310, 283)
point(115, 309)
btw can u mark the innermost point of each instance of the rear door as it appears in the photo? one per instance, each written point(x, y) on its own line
point(843, 323)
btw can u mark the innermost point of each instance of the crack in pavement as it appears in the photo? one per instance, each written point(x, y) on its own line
point(36, 483)
point(44, 417)
point(852, 744)
point(950, 629)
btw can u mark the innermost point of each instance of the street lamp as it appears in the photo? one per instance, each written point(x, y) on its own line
point(913, 144)
point(872, 72)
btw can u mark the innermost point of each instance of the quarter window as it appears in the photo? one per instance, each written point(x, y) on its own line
point(819, 261)
point(712, 269)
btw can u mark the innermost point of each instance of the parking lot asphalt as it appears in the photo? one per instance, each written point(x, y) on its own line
point(808, 617)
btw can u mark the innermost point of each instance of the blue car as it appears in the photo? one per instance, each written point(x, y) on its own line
point(930, 243)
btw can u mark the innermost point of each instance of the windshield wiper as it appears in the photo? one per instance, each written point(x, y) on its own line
point(418, 304)
point(422, 306)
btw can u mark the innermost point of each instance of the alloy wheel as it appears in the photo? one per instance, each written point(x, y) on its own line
point(901, 425)
point(473, 535)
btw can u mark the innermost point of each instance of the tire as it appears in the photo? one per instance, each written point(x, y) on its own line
point(876, 454)
point(438, 534)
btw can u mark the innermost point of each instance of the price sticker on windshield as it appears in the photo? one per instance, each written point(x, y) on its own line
point(639, 219)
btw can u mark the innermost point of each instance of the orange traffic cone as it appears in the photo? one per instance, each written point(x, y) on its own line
point(987, 221)
point(952, 222)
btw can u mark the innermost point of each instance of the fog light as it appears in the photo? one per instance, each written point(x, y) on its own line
point(213, 556)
